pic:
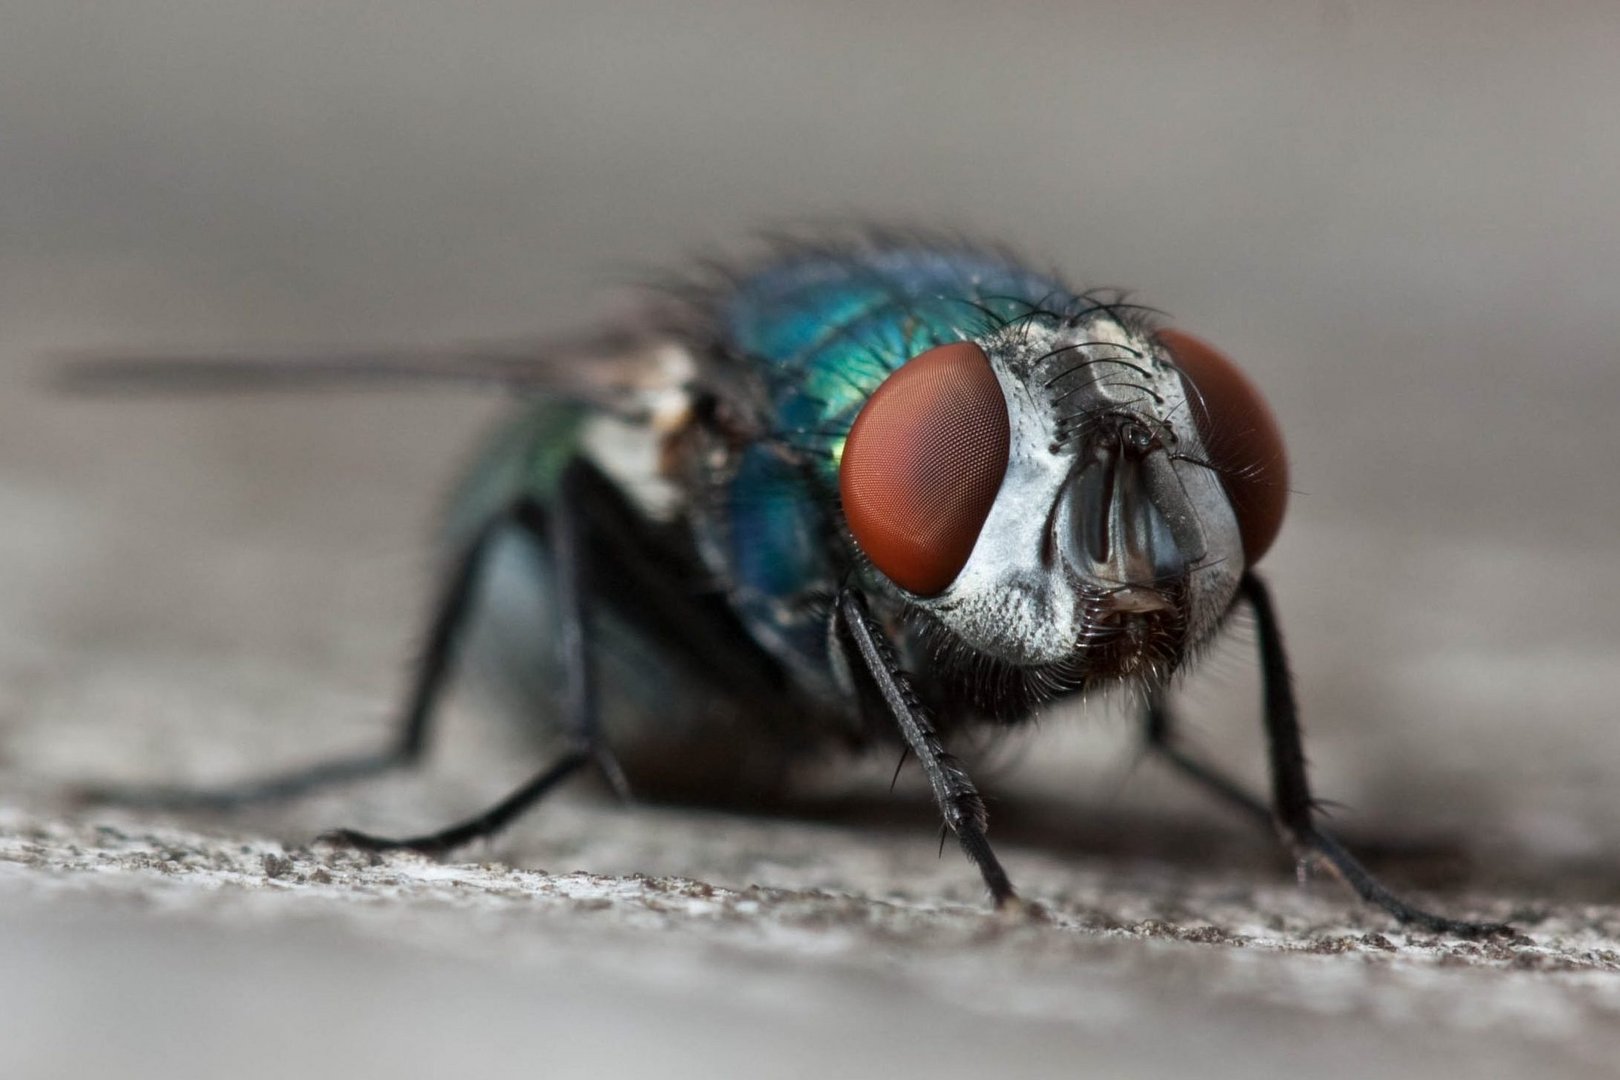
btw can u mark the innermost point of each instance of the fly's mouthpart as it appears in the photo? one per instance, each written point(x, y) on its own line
point(1115, 529)
point(1134, 630)
point(1136, 600)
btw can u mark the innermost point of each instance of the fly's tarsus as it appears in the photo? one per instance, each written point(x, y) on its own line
point(479, 826)
point(1293, 808)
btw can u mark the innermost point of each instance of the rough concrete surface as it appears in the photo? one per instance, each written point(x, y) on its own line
point(1401, 221)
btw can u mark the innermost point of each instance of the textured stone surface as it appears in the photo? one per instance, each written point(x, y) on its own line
point(180, 948)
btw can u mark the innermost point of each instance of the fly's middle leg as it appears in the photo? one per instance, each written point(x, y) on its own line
point(565, 527)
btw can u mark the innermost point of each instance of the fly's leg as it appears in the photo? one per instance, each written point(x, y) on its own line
point(959, 802)
point(1290, 790)
point(432, 669)
point(477, 827)
point(1292, 808)
point(565, 528)
point(1159, 734)
point(606, 555)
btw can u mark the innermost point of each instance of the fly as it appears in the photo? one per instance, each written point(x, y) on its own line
point(858, 495)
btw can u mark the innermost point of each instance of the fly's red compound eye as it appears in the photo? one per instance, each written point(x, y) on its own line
point(1241, 437)
point(922, 465)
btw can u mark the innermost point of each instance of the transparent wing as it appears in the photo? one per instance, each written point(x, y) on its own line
point(617, 369)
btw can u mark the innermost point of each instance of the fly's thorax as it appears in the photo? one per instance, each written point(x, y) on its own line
point(1109, 549)
point(633, 454)
point(634, 446)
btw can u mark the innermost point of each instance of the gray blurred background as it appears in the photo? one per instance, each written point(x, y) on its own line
point(1400, 218)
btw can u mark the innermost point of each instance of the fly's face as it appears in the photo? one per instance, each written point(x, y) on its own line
point(1075, 500)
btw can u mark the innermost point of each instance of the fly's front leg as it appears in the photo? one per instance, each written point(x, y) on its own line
point(449, 613)
point(959, 802)
point(1292, 808)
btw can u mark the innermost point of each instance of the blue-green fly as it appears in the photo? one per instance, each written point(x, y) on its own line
point(853, 495)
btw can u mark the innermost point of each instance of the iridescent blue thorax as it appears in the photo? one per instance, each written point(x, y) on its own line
point(824, 330)
point(816, 334)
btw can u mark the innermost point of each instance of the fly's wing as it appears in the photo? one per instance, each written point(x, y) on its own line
point(624, 370)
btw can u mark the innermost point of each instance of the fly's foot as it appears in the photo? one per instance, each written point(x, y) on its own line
point(1463, 928)
point(1314, 847)
point(362, 841)
point(1016, 911)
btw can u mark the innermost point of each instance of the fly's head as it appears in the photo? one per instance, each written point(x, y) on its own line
point(1070, 503)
